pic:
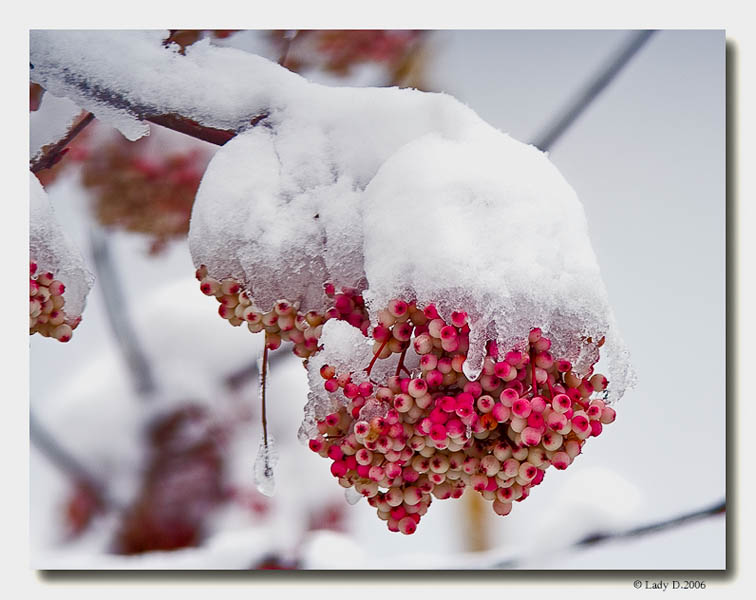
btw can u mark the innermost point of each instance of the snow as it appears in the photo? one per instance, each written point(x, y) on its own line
point(430, 204)
point(54, 252)
point(242, 229)
point(336, 176)
point(279, 206)
point(101, 72)
point(343, 347)
point(488, 226)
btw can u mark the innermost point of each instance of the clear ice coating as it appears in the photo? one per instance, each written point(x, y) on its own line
point(54, 252)
point(265, 464)
point(267, 455)
point(352, 496)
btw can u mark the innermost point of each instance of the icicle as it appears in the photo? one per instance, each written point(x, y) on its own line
point(267, 459)
point(267, 456)
point(352, 495)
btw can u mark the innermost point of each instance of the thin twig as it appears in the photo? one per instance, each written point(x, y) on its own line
point(697, 515)
point(190, 127)
point(263, 377)
point(401, 361)
point(590, 92)
point(375, 356)
point(50, 155)
point(601, 537)
point(46, 443)
point(288, 39)
point(118, 315)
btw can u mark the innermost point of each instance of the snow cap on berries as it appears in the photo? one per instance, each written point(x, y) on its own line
point(489, 224)
point(53, 252)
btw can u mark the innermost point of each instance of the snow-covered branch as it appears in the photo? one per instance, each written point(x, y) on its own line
point(127, 78)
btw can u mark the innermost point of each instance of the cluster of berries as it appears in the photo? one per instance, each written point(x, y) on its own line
point(284, 322)
point(46, 314)
point(435, 432)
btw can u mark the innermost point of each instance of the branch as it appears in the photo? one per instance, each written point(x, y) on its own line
point(128, 78)
point(202, 132)
point(288, 39)
point(118, 316)
point(44, 441)
point(591, 91)
point(52, 153)
point(192, 128)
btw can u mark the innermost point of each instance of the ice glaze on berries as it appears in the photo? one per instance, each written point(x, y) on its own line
point(433, 432)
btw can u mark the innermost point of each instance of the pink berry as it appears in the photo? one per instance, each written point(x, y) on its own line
point(500, 412)
point(397, 308)
point(521, 408)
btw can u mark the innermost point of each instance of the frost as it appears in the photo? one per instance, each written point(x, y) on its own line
point(54, 252)
point(265, 464)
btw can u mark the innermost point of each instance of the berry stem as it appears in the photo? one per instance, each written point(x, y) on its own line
point(400, 366)
point(375, 356)
point(263, 376)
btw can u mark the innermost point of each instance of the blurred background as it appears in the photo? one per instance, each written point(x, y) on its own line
point(145, 426)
